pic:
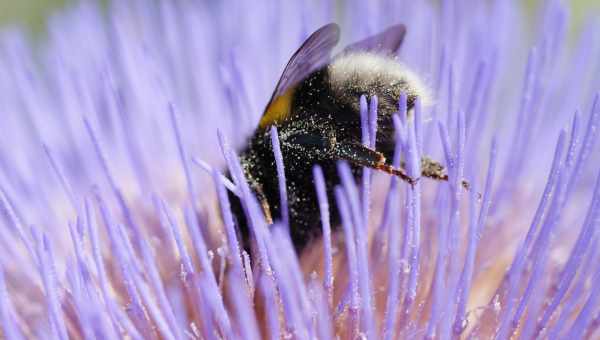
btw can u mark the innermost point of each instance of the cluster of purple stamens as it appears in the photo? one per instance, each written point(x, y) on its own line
point(116, 221)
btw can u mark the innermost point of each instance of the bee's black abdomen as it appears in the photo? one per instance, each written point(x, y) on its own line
point(305, 222)
point(304, 144)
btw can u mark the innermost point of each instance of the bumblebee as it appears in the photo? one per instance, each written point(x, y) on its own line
point(315, 107)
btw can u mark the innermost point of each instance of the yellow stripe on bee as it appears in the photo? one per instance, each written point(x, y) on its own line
point(278, 110)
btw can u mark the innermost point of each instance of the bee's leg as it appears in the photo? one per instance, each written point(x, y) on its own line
point(257, 188)
point(264, 203)
point(434, 170)
point(359, 154)
point(319, 145)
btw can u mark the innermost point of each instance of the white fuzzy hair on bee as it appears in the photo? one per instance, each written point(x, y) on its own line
point(364, 71)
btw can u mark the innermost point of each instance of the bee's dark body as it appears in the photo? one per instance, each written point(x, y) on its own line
point(316, 109)
point(320, 121)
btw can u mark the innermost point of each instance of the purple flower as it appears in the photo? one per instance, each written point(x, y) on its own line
point(112, 227)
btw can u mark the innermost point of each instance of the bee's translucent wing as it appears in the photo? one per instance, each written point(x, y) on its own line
point(386, 42)
point(313, 54)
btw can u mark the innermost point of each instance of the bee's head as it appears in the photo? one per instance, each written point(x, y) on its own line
point(355, 74)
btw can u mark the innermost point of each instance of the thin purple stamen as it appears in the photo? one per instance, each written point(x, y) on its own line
point(280, 177)
point(475, 229)
point(227, 217)
point(206, 167)
point(325, 222)
point(182, 155)
point(48, 272)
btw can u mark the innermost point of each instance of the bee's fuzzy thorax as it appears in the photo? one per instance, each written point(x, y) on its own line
point(365, 71)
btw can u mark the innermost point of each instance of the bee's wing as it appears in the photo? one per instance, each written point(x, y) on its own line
point(386, 42)
point(313, 54)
